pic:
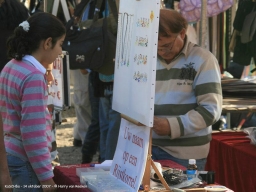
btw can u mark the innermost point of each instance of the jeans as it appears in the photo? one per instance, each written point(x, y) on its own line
point(93, 134)
point(22, 175)
point(159, 154)
point(109, 126)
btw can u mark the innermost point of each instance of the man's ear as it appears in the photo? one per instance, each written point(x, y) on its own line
point(183, 33)
point(48, 43)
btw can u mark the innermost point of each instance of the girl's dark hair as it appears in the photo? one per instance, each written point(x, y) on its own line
point(171, 21)
point(12, 13)
point(42, 25)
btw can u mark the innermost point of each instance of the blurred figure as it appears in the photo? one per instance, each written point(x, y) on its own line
point(92, 138)
point(110, 120)
point(81, 84)
point(89, 99)
point(12, 13)
point(82, 105)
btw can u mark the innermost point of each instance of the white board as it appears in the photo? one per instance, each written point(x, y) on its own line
point(59, 90)
point(135, 62)
point(130, 158)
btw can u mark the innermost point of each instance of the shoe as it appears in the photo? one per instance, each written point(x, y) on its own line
point(77, 143)
point(87, 159)
point(99, 159)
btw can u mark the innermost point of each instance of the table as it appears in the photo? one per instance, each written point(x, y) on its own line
point(233, 105)
point(233, 159)
point(65, 176)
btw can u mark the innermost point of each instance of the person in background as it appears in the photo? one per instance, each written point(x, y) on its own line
point(82, 105)
point(91, 140)
point(104, 128)
point(12, 13)
point(188, 94)
point(81, 98)
point(109, 119)
point(35, 44)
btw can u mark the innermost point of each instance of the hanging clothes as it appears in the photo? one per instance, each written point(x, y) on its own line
point(244, 52)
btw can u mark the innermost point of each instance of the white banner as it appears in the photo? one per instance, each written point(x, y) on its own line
point(129, 161)
point(135, 62)
point(56, 88)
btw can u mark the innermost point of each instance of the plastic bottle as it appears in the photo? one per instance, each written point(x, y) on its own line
point(191, 169)
point(223, 123)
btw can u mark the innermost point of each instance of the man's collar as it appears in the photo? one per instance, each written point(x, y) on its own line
point(185, 46)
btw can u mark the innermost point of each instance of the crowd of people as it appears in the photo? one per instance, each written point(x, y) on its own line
point(188, 98)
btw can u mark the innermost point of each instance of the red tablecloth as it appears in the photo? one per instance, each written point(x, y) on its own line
point(67, 180)
point(66, 176)
point(233, 159)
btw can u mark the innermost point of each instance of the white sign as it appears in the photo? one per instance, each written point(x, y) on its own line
point(130, 158)
point(135, 62)
point(56, 88)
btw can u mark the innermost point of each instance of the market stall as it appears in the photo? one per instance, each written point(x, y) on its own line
point(233, 158)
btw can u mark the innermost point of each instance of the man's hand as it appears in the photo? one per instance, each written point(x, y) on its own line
point(49, 77)
point(84, 71)
point(161, 126)
point(48, 185)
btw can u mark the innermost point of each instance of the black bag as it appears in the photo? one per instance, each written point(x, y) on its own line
point(92, 44)
point(86, 47)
